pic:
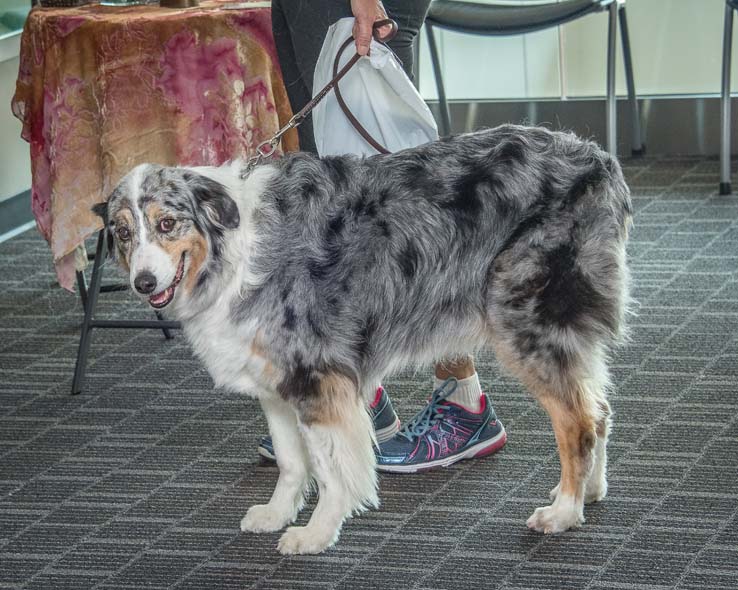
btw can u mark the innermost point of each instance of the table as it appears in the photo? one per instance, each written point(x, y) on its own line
point(101, 89)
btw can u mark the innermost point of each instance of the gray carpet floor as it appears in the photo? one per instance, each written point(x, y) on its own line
point(141, 481)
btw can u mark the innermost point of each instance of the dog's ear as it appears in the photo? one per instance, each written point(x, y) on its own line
point(101, 209)
point(212, 200)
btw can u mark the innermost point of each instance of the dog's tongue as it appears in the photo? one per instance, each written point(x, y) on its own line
point(160, 298)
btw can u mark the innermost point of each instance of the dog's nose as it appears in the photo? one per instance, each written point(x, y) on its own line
point(145, 282)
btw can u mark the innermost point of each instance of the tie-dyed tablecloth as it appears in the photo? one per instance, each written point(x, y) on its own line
point(103, 89)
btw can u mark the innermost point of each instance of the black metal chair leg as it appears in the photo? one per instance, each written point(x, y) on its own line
point(92, 293)
point(725, 188)
point(442, 102)
point(637, 146)
point(167, 332)
point(82, 286)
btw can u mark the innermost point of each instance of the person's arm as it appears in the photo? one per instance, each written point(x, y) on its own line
point(365, 13)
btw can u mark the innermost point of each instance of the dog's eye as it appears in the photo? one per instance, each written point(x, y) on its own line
point(123, 233)
point(166, 225)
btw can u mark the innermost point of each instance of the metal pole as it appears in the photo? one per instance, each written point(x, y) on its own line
point(442, 102)
point(725, 125)
point(637, 148)
point(612, 140)
point(416, 62)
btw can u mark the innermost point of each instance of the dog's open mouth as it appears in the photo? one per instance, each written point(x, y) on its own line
point(164, 298)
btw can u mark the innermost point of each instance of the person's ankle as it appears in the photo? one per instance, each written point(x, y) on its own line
point(459, 368)
point(468, 392)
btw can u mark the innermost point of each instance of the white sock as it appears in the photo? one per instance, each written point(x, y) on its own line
point(468, 392)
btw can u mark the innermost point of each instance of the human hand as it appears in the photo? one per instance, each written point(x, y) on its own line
point(366, 12)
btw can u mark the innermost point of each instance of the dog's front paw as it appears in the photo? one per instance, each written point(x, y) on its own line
point(555, 519)
point(554, 492)
point(595, 491)
point(306, 539)
point(263, 518)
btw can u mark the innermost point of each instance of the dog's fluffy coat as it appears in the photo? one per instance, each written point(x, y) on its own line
point(309, 280)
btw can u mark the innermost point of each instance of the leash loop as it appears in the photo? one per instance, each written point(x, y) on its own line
point(267, 148)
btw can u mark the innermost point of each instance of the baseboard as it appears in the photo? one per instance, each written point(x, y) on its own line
point(15, 212)
point(670, 125)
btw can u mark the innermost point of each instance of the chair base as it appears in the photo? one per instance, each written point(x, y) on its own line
point(89, 296)
point(725, 188)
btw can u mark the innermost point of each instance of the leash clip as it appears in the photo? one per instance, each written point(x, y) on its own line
point(267, 148)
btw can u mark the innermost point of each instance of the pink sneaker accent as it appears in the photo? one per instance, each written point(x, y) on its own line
point(377, 397)
point(493, 448)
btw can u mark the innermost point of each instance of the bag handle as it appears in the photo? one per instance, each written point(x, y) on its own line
point(339, 97)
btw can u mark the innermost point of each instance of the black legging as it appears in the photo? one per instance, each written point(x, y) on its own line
point(300, 27)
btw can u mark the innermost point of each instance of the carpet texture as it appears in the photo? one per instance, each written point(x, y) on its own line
point(141, 481)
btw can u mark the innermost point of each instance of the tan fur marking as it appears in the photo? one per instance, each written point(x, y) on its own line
point(259, 350)
point(153, 213)
point(197, 250)
point(257, 346)
point(575, 437)
point(125, 217)
point(336, 403)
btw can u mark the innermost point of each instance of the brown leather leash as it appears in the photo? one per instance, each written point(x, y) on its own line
point(267, 148)
point(344, 107)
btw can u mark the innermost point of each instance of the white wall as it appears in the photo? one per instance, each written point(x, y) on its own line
point(676, 45)
point(15, 161)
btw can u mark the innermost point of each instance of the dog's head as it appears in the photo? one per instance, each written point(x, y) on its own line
point(166, 227)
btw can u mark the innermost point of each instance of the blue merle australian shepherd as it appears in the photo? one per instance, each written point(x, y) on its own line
point(305, 281)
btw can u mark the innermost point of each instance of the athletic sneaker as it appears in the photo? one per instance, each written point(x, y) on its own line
point(441, 434)
point(386, 423)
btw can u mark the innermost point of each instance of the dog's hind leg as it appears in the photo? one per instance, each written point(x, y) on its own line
point(596, 486)
point(556, 305)
point(575, 434)
point(338, 433)
point(289, 448)
point(574, 398)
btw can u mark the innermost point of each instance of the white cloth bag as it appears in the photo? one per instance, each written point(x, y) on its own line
point(378, 93)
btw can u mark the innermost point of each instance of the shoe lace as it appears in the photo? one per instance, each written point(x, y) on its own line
point(431, 413)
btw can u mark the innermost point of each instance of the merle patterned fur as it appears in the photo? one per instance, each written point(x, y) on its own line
point(365, 260)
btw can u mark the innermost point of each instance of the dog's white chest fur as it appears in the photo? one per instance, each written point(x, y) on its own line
point(226, 350)
point(216, 342)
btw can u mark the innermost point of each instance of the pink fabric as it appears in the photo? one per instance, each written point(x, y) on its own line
point(103, 89)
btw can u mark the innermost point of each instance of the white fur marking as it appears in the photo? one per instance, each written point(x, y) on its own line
point(289, 493)
point(596, 486)
point(566, 512)
point(343, 464)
